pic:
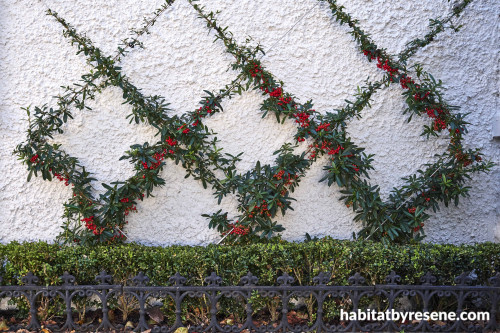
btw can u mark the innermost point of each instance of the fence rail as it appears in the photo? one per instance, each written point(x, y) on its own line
point(322, 301)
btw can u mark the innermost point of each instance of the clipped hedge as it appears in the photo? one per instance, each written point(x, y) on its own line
point(267, 261)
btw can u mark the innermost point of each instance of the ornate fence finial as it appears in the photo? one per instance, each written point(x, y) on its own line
point(392, 278)
point(463, 279)
point(67, 279)
point(322, 278)
point(177, 280)
point(104, 278)
point(356, 280)
point(285, 280)
point(495, 280)
point(140, 280)
point(249, 279)
point(30, 279)
point(428, 279)
point(213, 280)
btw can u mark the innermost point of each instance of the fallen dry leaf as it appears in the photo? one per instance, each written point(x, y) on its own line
point(111, 315)
point(181, 330)
point(156, 314)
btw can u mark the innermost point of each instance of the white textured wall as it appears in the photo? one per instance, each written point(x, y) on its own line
point(316, 60)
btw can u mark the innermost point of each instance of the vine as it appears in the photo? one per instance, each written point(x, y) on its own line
point(265, 190)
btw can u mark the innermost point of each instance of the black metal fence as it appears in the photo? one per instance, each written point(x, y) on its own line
point(168, 308)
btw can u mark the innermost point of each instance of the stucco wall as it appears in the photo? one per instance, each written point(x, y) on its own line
point(316, 60)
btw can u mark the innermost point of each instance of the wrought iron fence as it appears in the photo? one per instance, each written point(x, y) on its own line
point(171, 307)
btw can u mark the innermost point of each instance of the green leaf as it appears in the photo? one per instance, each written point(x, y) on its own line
point(30, 175)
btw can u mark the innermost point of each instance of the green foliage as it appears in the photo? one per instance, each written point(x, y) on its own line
point(267, 261)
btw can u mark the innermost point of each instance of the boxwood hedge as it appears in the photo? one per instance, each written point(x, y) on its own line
point(267, 261)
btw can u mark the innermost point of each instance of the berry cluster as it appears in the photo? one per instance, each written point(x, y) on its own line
point(465, 159)
point(204, 110)
point(322, 127)
point(419, 97)
point(240, 230)
point(237, 229)
point(405, 79)
point(382, 64)
point(89, 224)
point(255, 70)
point(369, 54)
point(302, 118)
point(288, 178)
point(34, 159)
point(326, 147)
point(386, 67)
point(61, 178)
point(260, 210)
point(120, 235)
point(336, 150)
point(186, 130)
point(158, 158)
point(417, 228)
point(284, 101)
point(130, 209)
point(172, 143)
point(438, 115)
point(276, 92)
point(426, 198)
point(279, 175)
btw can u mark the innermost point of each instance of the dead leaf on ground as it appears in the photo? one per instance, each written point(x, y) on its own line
point(156, 314)
point(111, 315)
point(3, 325)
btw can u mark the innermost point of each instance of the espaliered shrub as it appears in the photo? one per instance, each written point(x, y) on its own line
point(265, 191)
point(267, 261)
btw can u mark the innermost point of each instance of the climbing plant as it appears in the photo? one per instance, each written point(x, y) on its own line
point(265, 190)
